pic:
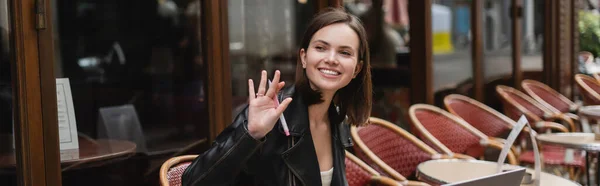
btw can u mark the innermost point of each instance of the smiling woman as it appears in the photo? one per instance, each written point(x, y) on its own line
point(342, 47)
point(332, 83)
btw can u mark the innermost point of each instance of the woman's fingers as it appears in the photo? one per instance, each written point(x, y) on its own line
point(263, 83)
point(279, 87)
point(272, 89)
point(251, 94)
point(283, 105)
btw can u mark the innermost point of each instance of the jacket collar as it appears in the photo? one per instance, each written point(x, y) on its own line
point(308, 173)
point(296, 115)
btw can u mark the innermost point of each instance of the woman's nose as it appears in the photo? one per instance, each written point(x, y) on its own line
point(331, 58)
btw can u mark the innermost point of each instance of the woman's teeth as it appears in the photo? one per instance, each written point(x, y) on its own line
point(329, 72)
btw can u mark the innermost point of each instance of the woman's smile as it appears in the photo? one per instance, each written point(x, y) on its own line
point(329, 73)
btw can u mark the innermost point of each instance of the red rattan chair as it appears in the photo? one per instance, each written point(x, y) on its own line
point(358, 173)
point(486, 119)
point(517, 103)
point(480, 116)
point(493, 123)
point(596, 76)
point(172, 170)
point(391, 150)
point(589, 88)
point(550, 98)
point(451, 134)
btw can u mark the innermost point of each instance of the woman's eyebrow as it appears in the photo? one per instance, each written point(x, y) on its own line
point(326, 43)
point(321, 41)
point(348, 47)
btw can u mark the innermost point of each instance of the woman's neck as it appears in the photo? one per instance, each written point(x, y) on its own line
point(318, 113)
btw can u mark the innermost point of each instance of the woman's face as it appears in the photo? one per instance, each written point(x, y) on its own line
point(331, 57)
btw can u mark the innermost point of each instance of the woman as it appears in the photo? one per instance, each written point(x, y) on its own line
point(333, 81)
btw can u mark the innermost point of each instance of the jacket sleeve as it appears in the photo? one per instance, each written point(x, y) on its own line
point(227, 157)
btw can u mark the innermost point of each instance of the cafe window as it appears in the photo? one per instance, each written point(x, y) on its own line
point(387, 26)
point(264, 35)
point(498, 45)
point(451, 44)
point(7, 158)
point(138, 84)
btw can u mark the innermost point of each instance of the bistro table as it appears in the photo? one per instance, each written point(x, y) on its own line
point(445, 171)
point(588, 112)
point(90, 151)
point(581, 141)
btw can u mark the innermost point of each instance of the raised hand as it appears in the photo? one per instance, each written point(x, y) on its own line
point(263, 110)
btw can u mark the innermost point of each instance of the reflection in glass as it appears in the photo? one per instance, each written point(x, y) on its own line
point(5, 72)
point(7, 158)
point(497, 39)
point(387, 24)
point(587, 26)
point(263, 35)
point(138, 83)
point(533, 36)
point(452, 63)
point(497, 44)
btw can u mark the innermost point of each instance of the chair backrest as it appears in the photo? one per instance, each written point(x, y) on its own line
point(547, 96)
point(445, 131)
point(358, 173)
point(483, 118)
point(516, 103)
point(390, 149)
point(589, 89)
point(172, 170)
point(596, 76)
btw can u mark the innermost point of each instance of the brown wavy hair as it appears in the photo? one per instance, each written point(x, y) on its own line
point(355, 99)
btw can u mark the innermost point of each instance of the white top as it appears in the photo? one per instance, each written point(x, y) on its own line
point(326, 177)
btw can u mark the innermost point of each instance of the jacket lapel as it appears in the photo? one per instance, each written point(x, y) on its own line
point(338, 160)
point(302, 160)
point(296, 114)
point(301, 157)
point(337, 148)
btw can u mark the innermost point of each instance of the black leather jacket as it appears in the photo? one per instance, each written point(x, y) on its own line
point(236, 158)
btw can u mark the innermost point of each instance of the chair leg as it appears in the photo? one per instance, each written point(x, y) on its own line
point(575, 173)
point(578, 173)
point(571, 172)
point(557, 172)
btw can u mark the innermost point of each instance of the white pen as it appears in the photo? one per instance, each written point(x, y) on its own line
point(281, 117)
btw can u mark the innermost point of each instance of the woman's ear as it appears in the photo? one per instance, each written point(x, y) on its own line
point(303, 57)
point(358, 68)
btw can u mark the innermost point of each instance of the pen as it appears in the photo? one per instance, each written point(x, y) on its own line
point(281, 117)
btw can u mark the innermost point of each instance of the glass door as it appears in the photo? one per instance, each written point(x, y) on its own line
point(28, 151)
point(138, 84)
point(8, 174)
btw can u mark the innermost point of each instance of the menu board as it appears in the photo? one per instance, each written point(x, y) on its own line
point(67, 128)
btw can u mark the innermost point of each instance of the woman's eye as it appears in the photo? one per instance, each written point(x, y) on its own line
point(320, 48)
point(346, 53)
